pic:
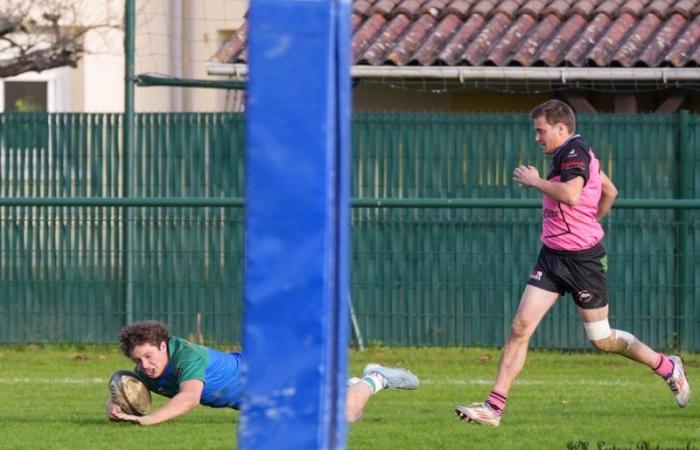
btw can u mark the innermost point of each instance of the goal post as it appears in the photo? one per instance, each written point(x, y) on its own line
point(295, 332)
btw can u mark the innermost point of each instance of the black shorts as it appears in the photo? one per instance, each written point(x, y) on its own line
point(582, 274)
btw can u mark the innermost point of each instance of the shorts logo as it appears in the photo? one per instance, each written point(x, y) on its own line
point(584, 296)
point(536, 275)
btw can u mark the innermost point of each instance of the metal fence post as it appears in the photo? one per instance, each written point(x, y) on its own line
point(685, 189)
point(128, 146)
point(684, 239)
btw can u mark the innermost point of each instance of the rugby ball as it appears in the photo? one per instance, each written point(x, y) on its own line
point(129, 392)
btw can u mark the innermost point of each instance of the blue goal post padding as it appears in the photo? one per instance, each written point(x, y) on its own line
point(295, 332)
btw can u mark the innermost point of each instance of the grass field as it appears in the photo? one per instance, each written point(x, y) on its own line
point(53, 397)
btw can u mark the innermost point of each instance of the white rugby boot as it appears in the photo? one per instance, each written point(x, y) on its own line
point(480, 413)
point(678, 382)
point(396, 378)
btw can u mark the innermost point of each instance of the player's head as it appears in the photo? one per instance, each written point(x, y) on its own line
point(554, 123)
point(146, 343)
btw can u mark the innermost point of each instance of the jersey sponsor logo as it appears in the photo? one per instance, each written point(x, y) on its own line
point(536, 275)
point(572, 153)
point(573, 164)
point(584, 296)
point(550, 213)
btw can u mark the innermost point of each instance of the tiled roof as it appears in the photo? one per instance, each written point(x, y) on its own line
point(550, 33)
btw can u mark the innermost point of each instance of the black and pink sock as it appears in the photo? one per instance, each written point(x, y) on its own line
point(664, 368)
point(497, 402)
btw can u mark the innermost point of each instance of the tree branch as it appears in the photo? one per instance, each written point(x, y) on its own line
point(38, 35)
point(43, 59)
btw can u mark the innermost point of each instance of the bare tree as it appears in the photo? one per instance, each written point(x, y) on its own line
point(37, 35)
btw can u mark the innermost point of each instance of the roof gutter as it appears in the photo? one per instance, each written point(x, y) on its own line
point(463, 73)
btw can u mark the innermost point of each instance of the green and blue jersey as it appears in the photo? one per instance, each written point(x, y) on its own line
point(219, 371)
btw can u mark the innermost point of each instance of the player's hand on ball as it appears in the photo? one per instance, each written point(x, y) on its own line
point(526, 175)
point(138, 420)
point(113, 412)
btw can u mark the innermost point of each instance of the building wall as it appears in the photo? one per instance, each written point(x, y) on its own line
point(496, 102)
point(375, 97)
point(368, 98)
point(96, 84)
point(203, 29)
point(98, 81)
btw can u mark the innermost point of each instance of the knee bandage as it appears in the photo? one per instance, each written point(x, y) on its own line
point(606, 339)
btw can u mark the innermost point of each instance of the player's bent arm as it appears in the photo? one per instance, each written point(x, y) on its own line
point(568, 192)
point(182, 402)
point(608, 193)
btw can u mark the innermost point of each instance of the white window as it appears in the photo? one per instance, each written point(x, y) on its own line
point(36, 92)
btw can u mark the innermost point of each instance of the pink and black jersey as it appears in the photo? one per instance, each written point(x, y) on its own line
point(573, 228)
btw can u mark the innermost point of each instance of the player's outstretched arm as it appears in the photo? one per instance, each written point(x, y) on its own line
point(184, 401)
point(608, 193)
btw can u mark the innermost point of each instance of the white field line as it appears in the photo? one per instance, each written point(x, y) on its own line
point(531, 382)
point(19, 380)
point(453, 381)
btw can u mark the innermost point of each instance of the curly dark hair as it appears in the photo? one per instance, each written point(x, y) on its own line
point(138, 333)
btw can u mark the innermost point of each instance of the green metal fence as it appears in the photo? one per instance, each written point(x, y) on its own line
point(63, 269)
point(444, 274)
point(454, 276)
